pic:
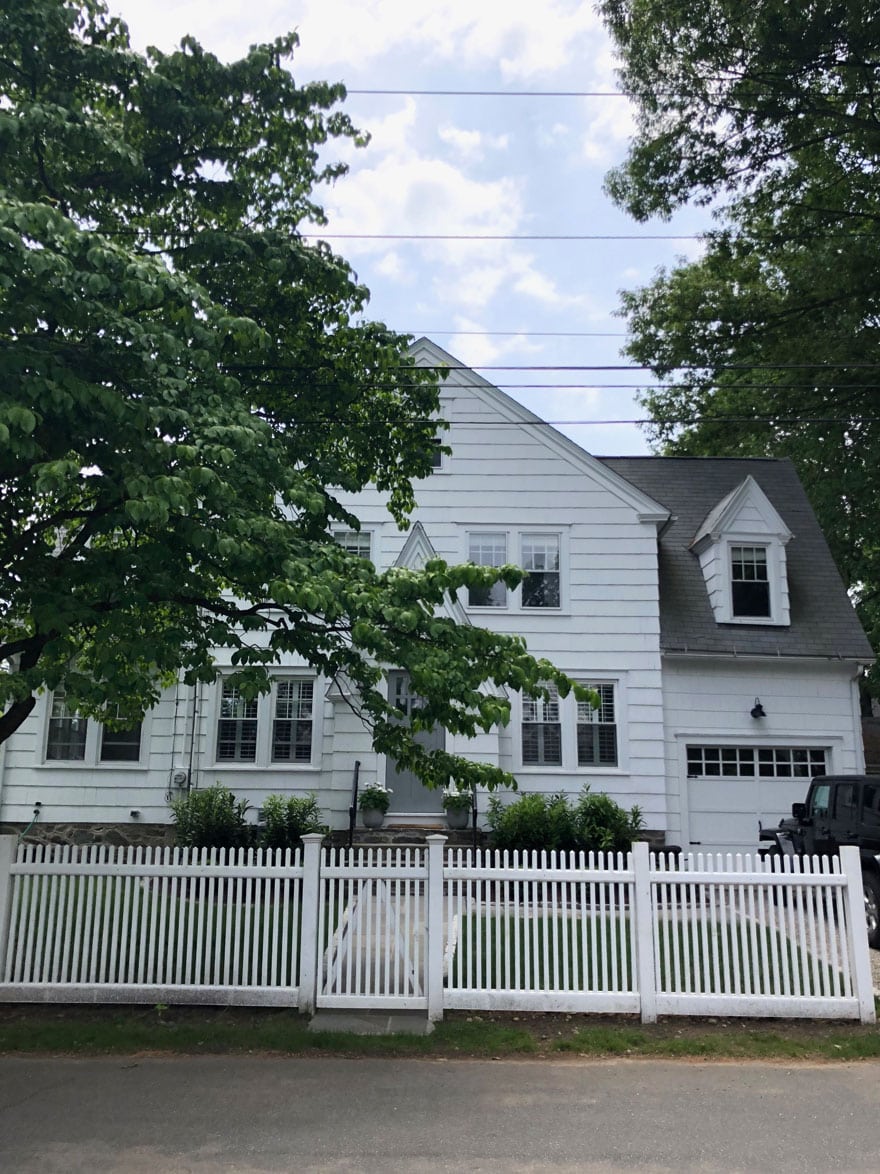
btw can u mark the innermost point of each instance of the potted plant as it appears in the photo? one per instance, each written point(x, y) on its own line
point(373, 801)
point(458, 806)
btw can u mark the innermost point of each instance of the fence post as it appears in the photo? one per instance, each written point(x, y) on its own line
point(434, 928)
point(856, 935)
point(308, 933)
point(643, 921)
point(8, 846)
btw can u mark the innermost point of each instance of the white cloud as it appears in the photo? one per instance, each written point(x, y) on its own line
point(472, 144)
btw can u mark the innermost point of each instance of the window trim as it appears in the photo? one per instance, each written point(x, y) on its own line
point(263, 760)
point(514, 540)
point(772, 546)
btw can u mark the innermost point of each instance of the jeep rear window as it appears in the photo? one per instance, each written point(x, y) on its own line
point(819, 799)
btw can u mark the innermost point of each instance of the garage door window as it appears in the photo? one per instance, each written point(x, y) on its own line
point(768, 762)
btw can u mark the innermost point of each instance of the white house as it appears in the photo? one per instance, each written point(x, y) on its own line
point(697, 596)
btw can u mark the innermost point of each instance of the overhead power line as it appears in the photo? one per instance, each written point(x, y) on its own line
point(523, 333)
point(500, 236)
point(492, 93)
point(839, 364)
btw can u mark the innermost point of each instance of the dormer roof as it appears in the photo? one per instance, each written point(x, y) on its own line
point(823, 622)
point(746, 508)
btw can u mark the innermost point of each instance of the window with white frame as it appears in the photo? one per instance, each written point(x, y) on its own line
point(356, 542)
point(487, 550)
point(541, 558)
point(542, 730)
point(769, 762)
point(540, 561)
point(437, 453)
point(292, 722)
point(71, 737)
point(278, 727)
point(562, 732)
point(237, 726)
point(66, 740)
point(749, 581)
point(597, 728)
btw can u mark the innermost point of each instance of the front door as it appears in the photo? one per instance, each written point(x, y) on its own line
point(408, 795)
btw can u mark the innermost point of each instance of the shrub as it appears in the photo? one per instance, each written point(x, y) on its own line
point(535, 821)
point(532, 822)
point(374, 797)
point(211, 818)
point(288, 819)
point(601, 825)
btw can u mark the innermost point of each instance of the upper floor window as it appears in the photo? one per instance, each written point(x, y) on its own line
point(540, 561)
point(741, 548)
point(541, 558)
point(436, 453)
point(356, 542)
point(749, 581)
point(487, 550)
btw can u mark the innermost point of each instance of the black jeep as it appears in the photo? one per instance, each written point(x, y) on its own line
point(839, 810)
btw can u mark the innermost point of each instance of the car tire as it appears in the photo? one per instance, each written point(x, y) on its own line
point(871, 884)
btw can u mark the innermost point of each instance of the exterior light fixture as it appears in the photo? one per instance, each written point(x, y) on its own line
point(758, 709)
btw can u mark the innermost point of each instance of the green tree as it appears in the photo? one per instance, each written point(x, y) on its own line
point(768, 344)
point(181, 381)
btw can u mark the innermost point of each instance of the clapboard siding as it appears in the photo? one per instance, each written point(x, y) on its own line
point(812, 704)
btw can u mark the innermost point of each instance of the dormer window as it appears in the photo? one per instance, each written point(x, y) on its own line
point(749, 581)
point(741, 547)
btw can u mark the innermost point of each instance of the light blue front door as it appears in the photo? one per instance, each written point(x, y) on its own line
point(408, 795)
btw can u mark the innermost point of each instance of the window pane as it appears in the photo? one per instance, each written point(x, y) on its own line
point(67, 731)
point(237, 728)
point(487, 550)
point(750, 587)
point(356, 542)
point(121, 745)
point(540, 555)
point(772, 762)
point(596, 729)
point(292, 727)
point(541, 730)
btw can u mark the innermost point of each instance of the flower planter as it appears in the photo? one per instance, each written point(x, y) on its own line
point(457, 818)
point(372, 817)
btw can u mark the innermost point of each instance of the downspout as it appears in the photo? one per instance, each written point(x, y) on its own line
point(859, 746)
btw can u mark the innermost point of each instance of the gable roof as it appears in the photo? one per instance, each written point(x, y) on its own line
point(823, 622)
point(427, 354)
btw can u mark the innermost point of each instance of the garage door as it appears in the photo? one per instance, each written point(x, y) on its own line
point(730, 789)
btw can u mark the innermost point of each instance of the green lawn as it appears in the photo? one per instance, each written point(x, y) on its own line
point(594, 954)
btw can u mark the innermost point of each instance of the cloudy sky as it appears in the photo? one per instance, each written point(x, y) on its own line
point(514, 166)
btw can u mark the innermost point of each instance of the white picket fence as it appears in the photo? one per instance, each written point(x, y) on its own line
point(429, 929)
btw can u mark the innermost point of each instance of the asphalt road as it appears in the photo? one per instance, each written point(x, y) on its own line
point(259, 1114)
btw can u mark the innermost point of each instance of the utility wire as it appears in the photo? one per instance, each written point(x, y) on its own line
point(477, 236)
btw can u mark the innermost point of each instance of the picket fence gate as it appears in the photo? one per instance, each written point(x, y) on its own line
point(434, 929)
